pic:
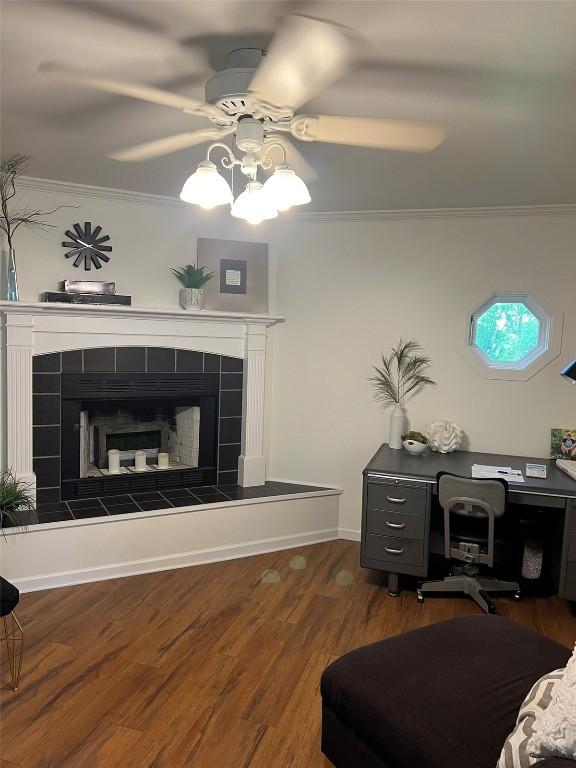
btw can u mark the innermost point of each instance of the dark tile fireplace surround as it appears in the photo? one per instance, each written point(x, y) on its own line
point(62, 380)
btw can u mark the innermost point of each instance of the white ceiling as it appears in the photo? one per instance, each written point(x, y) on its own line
point(500, 75)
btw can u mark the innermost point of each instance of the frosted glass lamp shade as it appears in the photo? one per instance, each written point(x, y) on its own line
point(285, 189)
point(253, 205)
point(206, 187)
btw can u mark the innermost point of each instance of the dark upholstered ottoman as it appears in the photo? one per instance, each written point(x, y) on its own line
point(445, 696)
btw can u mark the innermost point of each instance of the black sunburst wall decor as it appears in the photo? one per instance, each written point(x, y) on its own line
point(87, 246)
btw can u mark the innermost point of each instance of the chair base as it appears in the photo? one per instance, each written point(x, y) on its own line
point(14, 638)
point(478, 589)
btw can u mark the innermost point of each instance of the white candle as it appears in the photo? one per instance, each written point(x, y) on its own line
point(140, 461)
point(163, 462)
point(113, 461)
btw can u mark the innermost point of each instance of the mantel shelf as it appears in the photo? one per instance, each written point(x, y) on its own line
point(156, 313)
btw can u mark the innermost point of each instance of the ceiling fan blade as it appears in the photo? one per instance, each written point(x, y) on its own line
point(304, 58)
point(151, 149)
point(294, 158)
point(402, 135)
point(134, 90)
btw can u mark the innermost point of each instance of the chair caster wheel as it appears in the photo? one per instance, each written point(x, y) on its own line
point(518, 595)
point(393, 594)
point(419, 596)
point(489, 604)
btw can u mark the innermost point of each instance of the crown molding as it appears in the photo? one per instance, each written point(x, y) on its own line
point(434, 213)
point(99, 193)
point(162, 201)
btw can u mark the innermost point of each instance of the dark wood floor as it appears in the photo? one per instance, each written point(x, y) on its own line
point(214, 665)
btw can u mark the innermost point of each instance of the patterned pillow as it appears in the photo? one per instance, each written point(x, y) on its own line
point(515, 752)
point(555, 730)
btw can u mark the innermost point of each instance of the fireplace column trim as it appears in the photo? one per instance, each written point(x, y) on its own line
point(252, 463)
point(19, 353)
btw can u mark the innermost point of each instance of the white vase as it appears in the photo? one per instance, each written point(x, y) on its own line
point(11, 276)
point(192, 298)
point(397, 427)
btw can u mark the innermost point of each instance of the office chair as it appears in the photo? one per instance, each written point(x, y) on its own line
point(471, 509)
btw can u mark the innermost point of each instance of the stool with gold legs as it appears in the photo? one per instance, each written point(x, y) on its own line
point(13, 632)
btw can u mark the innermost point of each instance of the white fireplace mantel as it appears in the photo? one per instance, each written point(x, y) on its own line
point(35, 328)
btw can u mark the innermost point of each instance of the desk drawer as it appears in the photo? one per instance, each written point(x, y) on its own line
point(571, 576)
point(571, 512)
point(391, 550)
point(397, 497)
point(572, 547)
point(398, 524)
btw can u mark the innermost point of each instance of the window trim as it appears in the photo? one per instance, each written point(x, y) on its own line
point(549, 343)
point(543, 333)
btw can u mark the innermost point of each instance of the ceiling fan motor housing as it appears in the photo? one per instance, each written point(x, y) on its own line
point(229, 88)
point(229, 91)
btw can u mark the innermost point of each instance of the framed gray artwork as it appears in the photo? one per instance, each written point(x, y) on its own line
point(240, 282)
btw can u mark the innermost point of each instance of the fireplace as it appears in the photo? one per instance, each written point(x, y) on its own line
point(194, 416)
point(45, 342)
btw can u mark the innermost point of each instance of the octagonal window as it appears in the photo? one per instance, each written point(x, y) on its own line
point(510, 331)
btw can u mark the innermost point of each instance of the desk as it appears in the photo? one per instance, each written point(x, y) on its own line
point(398, 489)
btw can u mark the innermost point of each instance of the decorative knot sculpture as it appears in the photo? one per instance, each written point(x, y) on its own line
point(445, 437)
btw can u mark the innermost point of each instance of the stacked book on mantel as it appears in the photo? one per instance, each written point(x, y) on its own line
point(86, 292)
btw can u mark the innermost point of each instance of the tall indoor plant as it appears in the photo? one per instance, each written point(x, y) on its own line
point(402, 373)
point(192, 292)
point(13, 218)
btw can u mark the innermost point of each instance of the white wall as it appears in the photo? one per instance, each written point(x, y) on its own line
point(147, 239)
point(349, 290)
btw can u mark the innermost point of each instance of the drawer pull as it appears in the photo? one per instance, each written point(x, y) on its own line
point(394, 500)
point(392, 551)
point(399, 526)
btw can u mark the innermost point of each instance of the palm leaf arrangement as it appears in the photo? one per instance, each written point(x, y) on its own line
point(191, 276)
point(402, 373)
point(11, 219)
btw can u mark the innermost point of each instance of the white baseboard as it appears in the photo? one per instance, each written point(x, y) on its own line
point(169, 562)
point(349, 534)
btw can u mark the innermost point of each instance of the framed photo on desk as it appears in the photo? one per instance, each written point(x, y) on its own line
point(563, 443)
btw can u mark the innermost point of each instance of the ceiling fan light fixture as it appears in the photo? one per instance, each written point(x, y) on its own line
point(285, 189)
point(253, 205)
point(206, 187)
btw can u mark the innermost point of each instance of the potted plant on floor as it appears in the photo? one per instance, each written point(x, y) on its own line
point(16, 501)
point(403, 372)
point(192, 292)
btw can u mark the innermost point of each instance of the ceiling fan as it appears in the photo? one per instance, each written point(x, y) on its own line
point(256, 100)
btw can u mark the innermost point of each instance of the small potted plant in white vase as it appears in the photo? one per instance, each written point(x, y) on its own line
point(193, 279)
point(415, 442)
point(402, 374)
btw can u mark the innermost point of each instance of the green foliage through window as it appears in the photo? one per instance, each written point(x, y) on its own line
point(506, 332)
